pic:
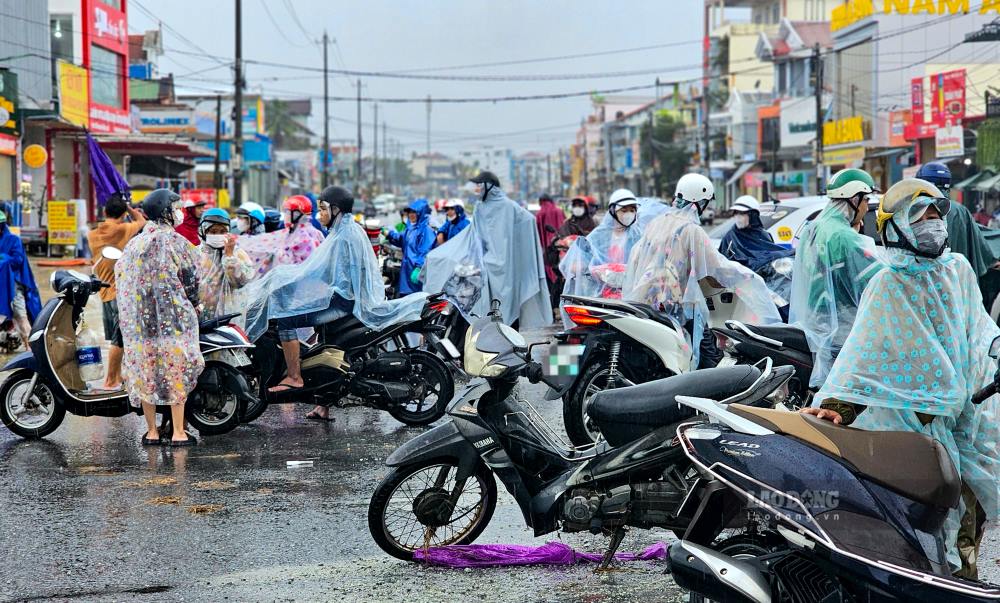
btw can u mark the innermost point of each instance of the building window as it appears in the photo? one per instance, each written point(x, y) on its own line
point(105, 77)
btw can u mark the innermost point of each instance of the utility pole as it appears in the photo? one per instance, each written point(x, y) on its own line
point(586, 183)
point(428, 127)
point(326, 114)
point(357, 179)
point(817, 68)
point(217, 173)
point(375, 149)
point(560, 173)
point(548, 172)
point(385, 154)
point(237, 157)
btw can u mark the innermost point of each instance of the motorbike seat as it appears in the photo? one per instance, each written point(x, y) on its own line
point(628, 413)
point(912, 464)
point(663, 318)
point(789, 337)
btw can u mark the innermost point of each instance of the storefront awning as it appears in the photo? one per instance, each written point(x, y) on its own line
point(887, 152)
point(742, 169)
point(147, 145)
point(158, 166)
point(971, 180)
point(988, 184)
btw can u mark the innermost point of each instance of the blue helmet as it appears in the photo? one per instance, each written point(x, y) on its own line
point(216, 215)
point(937, 174)
point(273, 220)
point(252, 211)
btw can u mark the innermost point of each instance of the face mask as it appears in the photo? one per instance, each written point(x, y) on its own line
point(286, 218)
point(742, 220)
point(178, 216)
point(579, 211)
point(242, 225)
point(215, 241)
point(626, 219)
point(452, 214)
point(931, 236)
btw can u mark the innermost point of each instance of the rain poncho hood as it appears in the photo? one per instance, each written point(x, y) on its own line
point(595, 265)
point(344, 266)
point(281, 247)
point(221, 279)
point(833, 264)
point(752, 246)
point(157, 280)
point(451, 228)
point(416, 241)
point(549, 216)
point(189, 227)
point(15, 271)
point(920, 344)
point(574, 225)
point(666, 266)
point(498, 257)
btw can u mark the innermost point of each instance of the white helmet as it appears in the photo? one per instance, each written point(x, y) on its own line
point(746, 203)
point(454, 203)
point(694, 188)
point(622, 198)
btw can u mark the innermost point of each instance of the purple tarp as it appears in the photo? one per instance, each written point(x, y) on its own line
point(107, 181)
point(496, 555)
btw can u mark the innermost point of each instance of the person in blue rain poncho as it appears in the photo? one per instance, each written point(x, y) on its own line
point(833, 263)
point(416, 241)
point(19, 298)
point(455, 221)
point(340, 277)
point(918, 352)
point(675, 257)
point(595, 265)
point(498, 257)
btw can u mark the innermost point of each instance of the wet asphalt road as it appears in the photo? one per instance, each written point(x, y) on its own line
point(90, 515)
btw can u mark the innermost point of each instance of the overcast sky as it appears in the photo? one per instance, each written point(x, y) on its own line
point(386, 35)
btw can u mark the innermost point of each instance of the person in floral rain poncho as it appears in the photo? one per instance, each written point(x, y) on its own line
point(157, 278)
point(223, 269)
point(290, 245)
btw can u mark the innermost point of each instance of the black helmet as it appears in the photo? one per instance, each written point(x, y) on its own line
point(485, 177)
point(159, 204)
point(273, 220)
point(339, 197)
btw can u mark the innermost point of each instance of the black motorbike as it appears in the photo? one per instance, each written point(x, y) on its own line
point(785, 345)
point(796, 509)
point(349, 364)
point(43, 384)
point(442, 487)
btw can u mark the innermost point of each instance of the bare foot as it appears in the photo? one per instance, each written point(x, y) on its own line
point(287, 384)
point(320, 412)
point(112, 386)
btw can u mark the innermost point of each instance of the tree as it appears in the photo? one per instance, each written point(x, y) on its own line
point(284, 131)
point(671, 156)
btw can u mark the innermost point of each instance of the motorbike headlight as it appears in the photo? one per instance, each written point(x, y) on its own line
point(493, 370)
point(476, 362)
point(783, 266)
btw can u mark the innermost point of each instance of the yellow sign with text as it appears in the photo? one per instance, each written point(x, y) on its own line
point(852, 11)
point(62, 222)
point(785, 233)
point(844, 131)
point(74, 95)
point(844, 156)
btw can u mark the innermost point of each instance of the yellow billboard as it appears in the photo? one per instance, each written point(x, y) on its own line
point(62, 222)
point(74, 95)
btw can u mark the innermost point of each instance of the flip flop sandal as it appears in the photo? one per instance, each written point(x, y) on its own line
point(148, 442)
point(190, 441)
point(314, 417)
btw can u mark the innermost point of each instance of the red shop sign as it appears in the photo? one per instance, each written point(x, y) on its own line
point(108, 27)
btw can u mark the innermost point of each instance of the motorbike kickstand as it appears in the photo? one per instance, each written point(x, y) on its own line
point(616, 540)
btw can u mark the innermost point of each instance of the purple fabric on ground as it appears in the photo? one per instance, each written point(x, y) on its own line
point(107, 181)
point(497, 555)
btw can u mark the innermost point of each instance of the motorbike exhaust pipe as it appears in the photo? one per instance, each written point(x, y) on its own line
point(716, 576)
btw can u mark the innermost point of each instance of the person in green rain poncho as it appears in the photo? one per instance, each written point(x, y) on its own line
point(833, 263)
point(917, 354)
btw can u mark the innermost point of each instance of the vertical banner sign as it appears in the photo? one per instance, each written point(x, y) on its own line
point(62, 225)
point(953, 95)
point(917, 99)
point(74, 93)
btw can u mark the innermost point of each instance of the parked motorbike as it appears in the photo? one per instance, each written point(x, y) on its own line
point(352, 365)
point(825, 513)
point(787, 346)
point(442, 487)
point(42, 384)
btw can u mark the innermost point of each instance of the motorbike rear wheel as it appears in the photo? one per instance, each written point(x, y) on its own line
point(434, 387)
point(411, 508)
point(33, 414)
point(579, 427)
point(255, 409)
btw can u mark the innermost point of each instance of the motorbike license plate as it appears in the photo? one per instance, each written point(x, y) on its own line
point(241, 357)
point(727, 361)
point(450, 348)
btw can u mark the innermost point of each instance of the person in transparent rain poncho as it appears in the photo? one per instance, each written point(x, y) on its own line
point(498, 257)
point(833, 263)
point(157, 280)
point(918, 352)
point(595, 265)
point(290, 245)
point(675, 257)
point(223, 270)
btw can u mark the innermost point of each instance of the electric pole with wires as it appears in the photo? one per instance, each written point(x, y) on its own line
point(237, 155)
point(324, 178)
point(817, 72)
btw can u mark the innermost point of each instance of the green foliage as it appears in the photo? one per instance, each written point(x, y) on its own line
point(283, 130)
point(671, 155)
point(988, 144)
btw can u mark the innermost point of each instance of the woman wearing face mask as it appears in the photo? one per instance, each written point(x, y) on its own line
point(751, 245)
point(223, 269)
point(579, 223)
point(249, 219)
point(291, 245)
point(917, 353)
point(456, 222)
point(595, 266)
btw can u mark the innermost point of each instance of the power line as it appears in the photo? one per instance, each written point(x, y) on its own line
point(295, 19)
point(274, 22)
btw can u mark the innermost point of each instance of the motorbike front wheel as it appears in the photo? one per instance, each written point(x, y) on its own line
point(422, 505)
point(433, 388)
point(29, 414)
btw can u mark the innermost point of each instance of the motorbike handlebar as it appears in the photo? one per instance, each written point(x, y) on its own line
point(985, 393)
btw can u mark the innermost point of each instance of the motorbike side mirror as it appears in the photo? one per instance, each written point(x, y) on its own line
point(995, 349)
point(111, 253)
